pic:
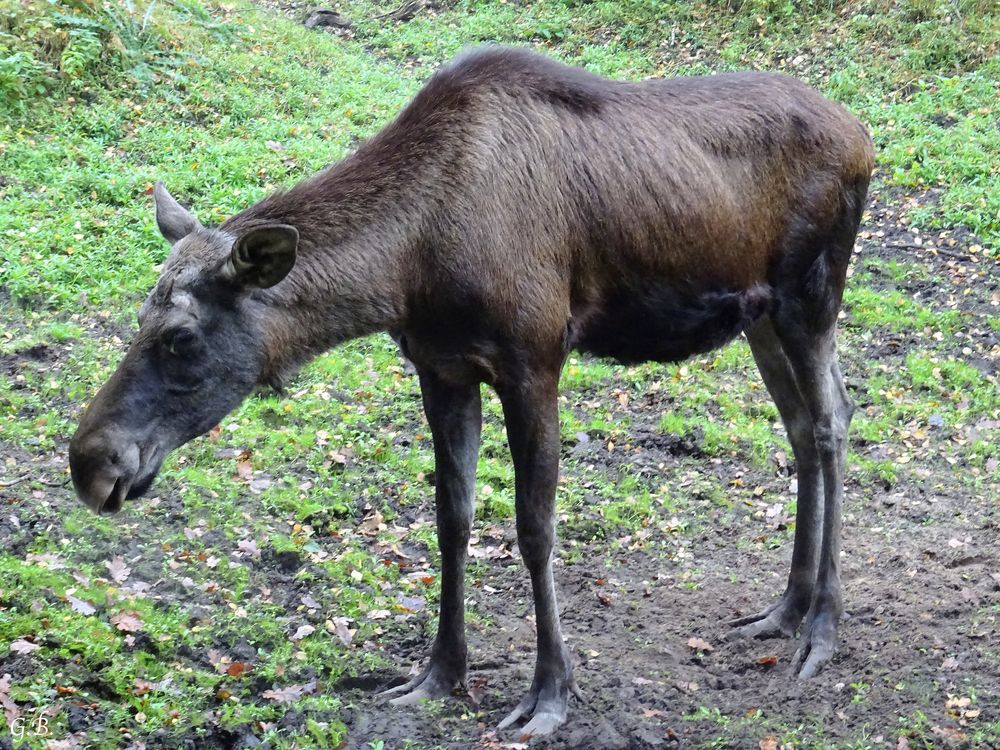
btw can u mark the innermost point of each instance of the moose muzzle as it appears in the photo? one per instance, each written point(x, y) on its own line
point(107, 468)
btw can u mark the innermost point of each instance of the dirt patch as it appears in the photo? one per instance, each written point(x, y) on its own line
point(914, 634)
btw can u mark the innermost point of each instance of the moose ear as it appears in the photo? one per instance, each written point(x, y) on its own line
point(175, 221)
point(263, 256)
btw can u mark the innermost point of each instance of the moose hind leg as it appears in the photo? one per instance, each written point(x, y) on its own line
point(531, 414)
point(783, 617)
point(813, 358)
point(455, 418)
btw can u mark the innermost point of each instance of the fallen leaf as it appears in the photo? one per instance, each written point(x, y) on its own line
point(244, 470)
point(127, 622)
point(768, 743)
point(140, 687)
point(303, 631)
point(290, 693)
point(902, 744)
point(118, 569)
point(767, 661)
point(10, 708)
point(476, 689)
point(238, 669)
point(370, 526)
point(949, 664)
point(219, 660)
point(248, 547)
point(81, 606)
point(80, 578)
point(45, 560)
point(339, 627)
point(411, 603)
point(699, 644)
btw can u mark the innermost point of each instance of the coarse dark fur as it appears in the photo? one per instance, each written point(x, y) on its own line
point(546, 198)
point(515, 210)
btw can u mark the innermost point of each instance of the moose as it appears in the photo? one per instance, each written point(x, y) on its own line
point(518, 209)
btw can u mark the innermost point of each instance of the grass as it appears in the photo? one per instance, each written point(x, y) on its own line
point(225, 102)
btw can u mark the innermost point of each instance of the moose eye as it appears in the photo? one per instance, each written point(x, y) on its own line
point(180, 342)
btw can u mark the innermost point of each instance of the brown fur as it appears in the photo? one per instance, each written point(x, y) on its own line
point(515, 197)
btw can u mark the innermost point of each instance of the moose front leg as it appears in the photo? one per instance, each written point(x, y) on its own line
point(532, 418)
point(455, 417)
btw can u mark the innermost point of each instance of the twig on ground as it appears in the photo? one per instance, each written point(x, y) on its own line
point(404, 12)
point(26, 477)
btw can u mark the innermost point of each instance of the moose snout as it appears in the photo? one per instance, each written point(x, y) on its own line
point(105, 466)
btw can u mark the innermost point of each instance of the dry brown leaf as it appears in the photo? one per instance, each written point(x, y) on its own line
point(700, 644)
point(290, 693)
point(249, 547)
point(21, 646)
point(949, 664)
point(238, 669)
point(370, 526)
point(244, 470)
point(118, 569)
point(140, 687)
point(127, 622)
point(339, 627)
point(303, 631)
point(477, 689)
point(768, 743)
point(10, 708)
point(81, 606)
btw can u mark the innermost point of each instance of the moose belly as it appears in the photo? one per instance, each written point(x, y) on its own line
point(653, 322)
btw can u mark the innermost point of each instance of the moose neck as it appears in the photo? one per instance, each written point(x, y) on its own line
point(358, 222)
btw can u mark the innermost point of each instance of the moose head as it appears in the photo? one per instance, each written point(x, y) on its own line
point(198, 353)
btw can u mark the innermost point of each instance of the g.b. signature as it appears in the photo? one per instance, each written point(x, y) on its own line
point(22, 725)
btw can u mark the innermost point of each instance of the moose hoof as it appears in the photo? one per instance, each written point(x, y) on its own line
point(779, 620)
point(432, 683)
point(547, 713)
point(819, 643)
